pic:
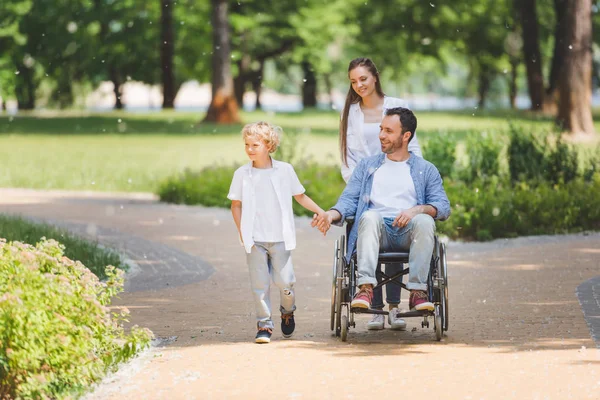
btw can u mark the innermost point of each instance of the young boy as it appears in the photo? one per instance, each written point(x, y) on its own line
point(261, 203)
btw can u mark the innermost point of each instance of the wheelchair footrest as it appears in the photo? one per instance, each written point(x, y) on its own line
point(369, 311)
point(409, 314)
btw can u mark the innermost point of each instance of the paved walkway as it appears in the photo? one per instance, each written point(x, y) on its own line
point(517, 327)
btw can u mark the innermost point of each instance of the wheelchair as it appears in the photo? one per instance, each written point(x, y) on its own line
point(344, 287)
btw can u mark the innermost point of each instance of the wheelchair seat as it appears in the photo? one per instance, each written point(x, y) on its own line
point(395, 257)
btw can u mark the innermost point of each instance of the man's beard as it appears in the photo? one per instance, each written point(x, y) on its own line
point(394, 147)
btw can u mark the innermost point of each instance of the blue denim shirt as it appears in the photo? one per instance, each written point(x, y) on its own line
point(355, 198)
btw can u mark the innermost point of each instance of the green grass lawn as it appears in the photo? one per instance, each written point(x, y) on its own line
point(121, 151)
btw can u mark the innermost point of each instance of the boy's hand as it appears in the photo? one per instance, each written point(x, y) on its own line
point(322, 221)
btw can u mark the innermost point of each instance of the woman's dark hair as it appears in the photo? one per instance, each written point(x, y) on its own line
point(352, 97)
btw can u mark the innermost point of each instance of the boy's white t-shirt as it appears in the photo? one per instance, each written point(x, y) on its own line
point(285, 185)
point(268, 226)
point(393, 189)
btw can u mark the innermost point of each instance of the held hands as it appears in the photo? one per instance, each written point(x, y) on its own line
point(404, 217)
point(322, 221)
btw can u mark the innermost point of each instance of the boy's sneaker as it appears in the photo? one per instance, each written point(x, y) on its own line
point(418, 301)
point(287, 324)
point(363, 298)
point(263, 335)
point(397, 324)
point(376, 323)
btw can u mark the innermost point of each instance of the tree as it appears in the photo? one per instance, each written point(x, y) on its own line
point(223, 107)
point(167, 47)
point(575, 86)
point(531, 52)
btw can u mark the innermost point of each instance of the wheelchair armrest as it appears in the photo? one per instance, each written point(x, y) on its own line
point(349, 219)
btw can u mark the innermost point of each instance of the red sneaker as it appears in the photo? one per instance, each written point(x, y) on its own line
point(418, 301)
point(363, 298)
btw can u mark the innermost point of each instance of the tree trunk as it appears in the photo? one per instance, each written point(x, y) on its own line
point(223, 107)
point(257, 83)
point(575, 102)
point(167, 50)
point(116, 80)
point(512, 84)
point(531, 53)
point(309, 88)
point(241, 80)
point(25, 88)
point(484, 87)
point(560, 47)
point(329, 88)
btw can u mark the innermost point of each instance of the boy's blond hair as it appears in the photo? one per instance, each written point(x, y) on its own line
point(266, 132)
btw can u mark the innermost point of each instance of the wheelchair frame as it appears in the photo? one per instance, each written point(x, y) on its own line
point(344, 287)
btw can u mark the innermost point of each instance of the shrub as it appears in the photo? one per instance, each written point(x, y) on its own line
point(208, 187)
point(96, 258)
point(484, 157)
point(323, 183)
point(497, 209)
point(57, 335)
point(526, 159)
point(441, 151)
point(562, 162)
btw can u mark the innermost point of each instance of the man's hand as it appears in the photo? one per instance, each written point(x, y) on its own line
point(322, 221)
point(405, 216)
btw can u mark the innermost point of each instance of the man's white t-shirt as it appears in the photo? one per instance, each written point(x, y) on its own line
point(268, 226)
point(393, 189)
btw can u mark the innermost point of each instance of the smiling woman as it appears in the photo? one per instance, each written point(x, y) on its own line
point(363, 112)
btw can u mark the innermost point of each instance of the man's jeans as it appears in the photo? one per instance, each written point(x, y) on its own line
point(377, 234)
point(266, 261)
point(392, 290)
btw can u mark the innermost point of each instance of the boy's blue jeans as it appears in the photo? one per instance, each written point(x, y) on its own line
point(268, 261)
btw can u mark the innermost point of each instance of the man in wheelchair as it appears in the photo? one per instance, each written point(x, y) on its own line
point(394, 197)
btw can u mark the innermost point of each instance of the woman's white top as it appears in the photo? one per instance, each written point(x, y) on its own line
point(371, 132)
point(359, 145)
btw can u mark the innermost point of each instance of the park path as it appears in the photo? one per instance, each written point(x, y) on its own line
point(517, 327)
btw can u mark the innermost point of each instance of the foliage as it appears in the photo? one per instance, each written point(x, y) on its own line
point(533, 157)
point(96, 258)
point(441, 151)
point(496, 209)
point(486, 202)
point(483, 152)
point(57, 334)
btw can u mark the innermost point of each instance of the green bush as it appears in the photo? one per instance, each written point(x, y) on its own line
point(441, 151)
point(208, 187)
point(526, 159)
point(484, 157)
point(496, 209)
point(482, 210)
point(96, 258)
point(323, 183)
point(57, 335)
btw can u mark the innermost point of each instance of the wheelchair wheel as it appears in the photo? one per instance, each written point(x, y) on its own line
point(345, 324)
point(437, 323)
point(444, 297)
point(336, 266)
point(339, 283)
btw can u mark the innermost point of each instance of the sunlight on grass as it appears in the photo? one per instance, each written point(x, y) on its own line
point(121, 151)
